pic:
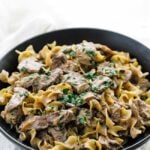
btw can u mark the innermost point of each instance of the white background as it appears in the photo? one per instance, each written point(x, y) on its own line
point(22, 19)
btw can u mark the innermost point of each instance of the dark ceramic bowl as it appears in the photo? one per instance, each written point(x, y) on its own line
point(69, 36)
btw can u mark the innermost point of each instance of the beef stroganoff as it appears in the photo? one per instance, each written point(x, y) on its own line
point(74, 97)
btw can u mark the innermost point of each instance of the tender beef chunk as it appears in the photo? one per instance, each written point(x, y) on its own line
point(59, 134)
point(108, 143)
point(101, 83)
point(88, 96)
point(36, 122)
point(53, 119)
point(46, 80)
point(144, 84)
point(107, 69)
point(13, 117)
point(19, 95)
point(58, 59)
point(84, 117)
point(70, 66)
point(141, 108)
point(85, 53)
point(79, 83)
point(115, 112)
point(60, 117)
point(30, 65)
point(40, 81)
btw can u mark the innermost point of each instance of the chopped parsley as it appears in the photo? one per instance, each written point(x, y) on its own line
point(102, 86)
point(108, 83)
point(110, 71)
point(23, 69)
point(82, 120)
point(71, 53)
point(45, 71)
point(90, 52)
point(65, 91)
point(24, 94)
point(72, 98)
point(90, 75)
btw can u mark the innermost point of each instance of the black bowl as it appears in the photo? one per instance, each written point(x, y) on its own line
point(69, 36)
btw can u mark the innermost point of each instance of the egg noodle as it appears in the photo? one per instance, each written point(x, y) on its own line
point(74, 97)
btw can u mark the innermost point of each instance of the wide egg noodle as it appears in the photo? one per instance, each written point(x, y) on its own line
point(91, 119)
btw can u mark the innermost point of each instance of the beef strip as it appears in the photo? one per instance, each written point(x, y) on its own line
point(84, 117)
point(144, 84)
point(88, 96)
point(101, 83)
point(139, 107)
point(70, 66)
point(13, 117)
point(40, 81)
point(30, 65)
point(108, 143)
point(58, 59)
point(19, 95)
point(115, 112)
point(107, 69)
point(60, 117)
point(36, 122)
point(78, 82)
point(53, 119)
point(59, 134)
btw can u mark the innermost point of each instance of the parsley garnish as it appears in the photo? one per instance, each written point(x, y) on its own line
point(72, 54)
point(72, 98)
point(90, 52)
point(110, 71)
point(65, 91)
point(45, 71)
point(82, 120)
point(108, 83)
point(23, 69)
point(90, 75)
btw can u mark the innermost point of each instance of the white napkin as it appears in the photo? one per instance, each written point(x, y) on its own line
point(32, 28)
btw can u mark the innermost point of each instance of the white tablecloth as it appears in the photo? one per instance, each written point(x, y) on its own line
point(22, 19)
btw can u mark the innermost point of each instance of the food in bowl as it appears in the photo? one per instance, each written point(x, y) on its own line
point(79, 96)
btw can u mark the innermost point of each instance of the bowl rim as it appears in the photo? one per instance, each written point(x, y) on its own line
point(24, 146)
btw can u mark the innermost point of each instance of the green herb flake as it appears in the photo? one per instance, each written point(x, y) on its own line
point(90, 52)
point(110, 71)
point(90, 75)
point(65, 91)
point(72, 99)
point(23, 69)
point(45, 71)
point(72, 54)
point(108, 83)
point(82, 120)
